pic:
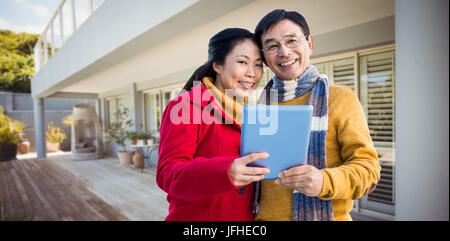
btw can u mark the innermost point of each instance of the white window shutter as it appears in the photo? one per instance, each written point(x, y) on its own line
point(342, 72)
point(377, 89)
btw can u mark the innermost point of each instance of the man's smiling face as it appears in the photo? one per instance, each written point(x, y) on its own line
point(287, 63)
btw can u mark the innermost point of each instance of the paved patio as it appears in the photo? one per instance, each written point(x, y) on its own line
point(58, 188)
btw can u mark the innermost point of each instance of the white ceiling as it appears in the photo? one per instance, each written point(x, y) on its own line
point(190, 49)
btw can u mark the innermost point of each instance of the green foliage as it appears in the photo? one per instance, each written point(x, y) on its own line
point(55, 134)
point(132, 135)
point(10, 130)
point(21, 43)
point(147, 135)
point(118, 128)
point(16, 60)
point(67, 121)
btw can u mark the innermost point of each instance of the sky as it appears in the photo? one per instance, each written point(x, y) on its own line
point(29, 16)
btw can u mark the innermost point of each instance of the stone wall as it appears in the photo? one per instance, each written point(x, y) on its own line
point(19, 106)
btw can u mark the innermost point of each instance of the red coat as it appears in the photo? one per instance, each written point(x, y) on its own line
point(194, 158)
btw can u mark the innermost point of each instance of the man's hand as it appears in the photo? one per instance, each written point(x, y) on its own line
point(241, 175)
point(305, 179)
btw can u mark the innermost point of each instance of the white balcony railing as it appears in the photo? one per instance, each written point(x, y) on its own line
point(67, 18)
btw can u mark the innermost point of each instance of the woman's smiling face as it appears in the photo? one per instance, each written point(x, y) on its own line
point(241, 71)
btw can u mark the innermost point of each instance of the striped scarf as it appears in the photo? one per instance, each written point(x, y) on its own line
point(306, 208)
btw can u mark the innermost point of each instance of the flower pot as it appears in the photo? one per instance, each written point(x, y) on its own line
point(125, 157)
point(24, 146)
point(52, 147)
point(8, 151)
point(133, 142)
point(150, 142)
point(140, 142)
point(138, 160)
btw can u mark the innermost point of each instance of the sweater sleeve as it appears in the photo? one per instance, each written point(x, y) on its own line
point(360, 168)
point(180, 173)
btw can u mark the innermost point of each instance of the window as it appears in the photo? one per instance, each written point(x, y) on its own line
point(340, 72)
point(377, 97)
point(155, 102)
point(152, 111)
point(169, 94)
point(112, 105)
point(370, 73)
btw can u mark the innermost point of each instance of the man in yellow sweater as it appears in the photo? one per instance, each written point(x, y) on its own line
point(343, 165)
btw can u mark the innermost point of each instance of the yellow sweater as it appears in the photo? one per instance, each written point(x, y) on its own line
point(352, 160)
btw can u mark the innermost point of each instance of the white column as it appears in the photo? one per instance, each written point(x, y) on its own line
point(39, 127)
point(422, 104)
point(136, 107)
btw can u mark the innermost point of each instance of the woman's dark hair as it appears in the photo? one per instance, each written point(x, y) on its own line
point(276, 16)
point(220, 45)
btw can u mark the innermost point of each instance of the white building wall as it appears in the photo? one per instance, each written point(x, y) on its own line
point(422, 104)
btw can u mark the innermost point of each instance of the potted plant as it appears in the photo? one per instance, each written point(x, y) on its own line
point(55, 136)
point(10, 131)
point(147, 137)
point(24, 144)
point(140, 137)
point(138, 160)
point(133, 136)
point(67, 121)
point(118, 130)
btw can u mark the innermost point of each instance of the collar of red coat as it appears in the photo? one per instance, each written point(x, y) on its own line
point(204, 99)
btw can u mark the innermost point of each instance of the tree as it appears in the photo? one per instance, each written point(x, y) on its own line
point(16, 60)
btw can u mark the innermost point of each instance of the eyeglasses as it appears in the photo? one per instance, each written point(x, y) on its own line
point(273, 48)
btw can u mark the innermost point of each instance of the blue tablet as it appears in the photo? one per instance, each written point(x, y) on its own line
point(281, 130)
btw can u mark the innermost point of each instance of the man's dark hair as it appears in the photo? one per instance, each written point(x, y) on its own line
point(276, 16)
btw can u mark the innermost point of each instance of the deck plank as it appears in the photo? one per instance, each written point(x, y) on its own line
point(28, 207)
point(134, 193)
point(41, 190)
point(5, 200)
point(18, 209)
point(31, 175)
point(37, 212)
point(58, 188)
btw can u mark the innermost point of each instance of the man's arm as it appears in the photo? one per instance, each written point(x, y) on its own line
point(360, 171)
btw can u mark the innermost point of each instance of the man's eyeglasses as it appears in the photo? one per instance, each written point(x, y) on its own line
point(273, 48)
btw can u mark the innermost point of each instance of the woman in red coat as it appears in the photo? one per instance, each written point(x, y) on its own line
point(199, 165)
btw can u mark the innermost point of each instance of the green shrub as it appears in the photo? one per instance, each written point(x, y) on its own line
point(67, 121)
point(10, 130)
point(55, 134)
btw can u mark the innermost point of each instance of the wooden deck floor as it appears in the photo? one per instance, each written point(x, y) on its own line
point(58, 188)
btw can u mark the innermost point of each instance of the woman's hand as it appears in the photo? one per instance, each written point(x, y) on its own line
point(241, 175)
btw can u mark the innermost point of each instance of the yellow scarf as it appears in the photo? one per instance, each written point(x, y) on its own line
point(232, 107)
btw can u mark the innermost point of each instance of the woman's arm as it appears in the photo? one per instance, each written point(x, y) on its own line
point(179, 173)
